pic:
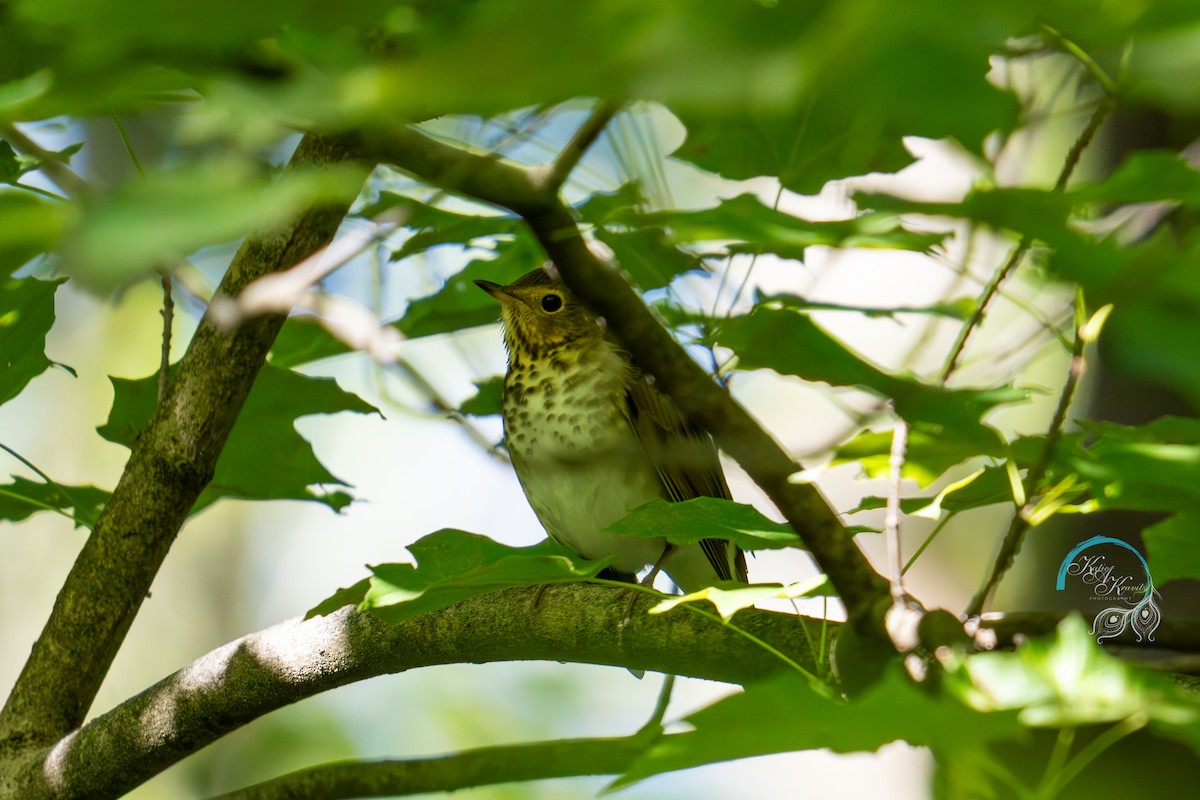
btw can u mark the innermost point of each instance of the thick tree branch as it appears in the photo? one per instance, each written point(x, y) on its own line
point(259, 673)
point(487, 766)
point(600, 286)
point(171, 462)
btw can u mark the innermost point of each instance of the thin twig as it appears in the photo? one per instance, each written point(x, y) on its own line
point(168, 317)
point(1099, 114)
point(1020, 523)
point(891, 519)
point(583, 139)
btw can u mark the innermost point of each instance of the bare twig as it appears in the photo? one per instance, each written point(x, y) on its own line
point(1099, 114)
point(168, 317)
point(583, 139)
point(1021, 522)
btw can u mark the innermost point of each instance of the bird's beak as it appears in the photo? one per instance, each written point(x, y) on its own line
point(497, 291)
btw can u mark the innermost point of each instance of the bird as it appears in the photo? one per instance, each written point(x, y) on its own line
point(591, 438)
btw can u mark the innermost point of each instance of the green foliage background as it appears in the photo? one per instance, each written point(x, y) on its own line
point(201, 104)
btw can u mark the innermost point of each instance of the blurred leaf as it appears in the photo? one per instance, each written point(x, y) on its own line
point(29, 225)
point(689, 521)
point(23, 498)
point(486, 401)
point(792, 344)
point(763, 229)
point(147, 223)
point(1146, 176)
point(264, 458)
point(460, 303)
point(433, 226)
point(26, 316)
point(785, 713)
point(453, 565)
point(733, 599)
point(1067, 679)
point(1173, 547)
point(303, 340)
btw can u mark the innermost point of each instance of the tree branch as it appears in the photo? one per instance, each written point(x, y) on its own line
point(264, 671)
point(583, 139)
point(601, 287)
point(486, 766)
point(170, 463)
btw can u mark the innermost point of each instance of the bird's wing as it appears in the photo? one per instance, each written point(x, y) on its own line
point(686, 460)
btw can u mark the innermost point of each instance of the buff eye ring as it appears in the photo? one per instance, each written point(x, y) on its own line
point(552, 303)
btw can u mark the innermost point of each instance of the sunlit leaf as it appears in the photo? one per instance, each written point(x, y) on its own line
point(732, 599)
point(453, 565)
point(984, 487)
point(689, 521)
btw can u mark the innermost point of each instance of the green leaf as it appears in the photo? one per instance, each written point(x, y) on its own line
point(729, 601)
point(487, 398)
point(460, 303)
point(303, 340)
point(1146, 176)
point(23, 498)
point(648, 256)
point(786, 713)
point(689, 521)
point(453, 565)
point(26, 315)
point(264, 458)
point(762, 229)
point(29, 226)
point(790, 343)
point(350, 596)
point(1065, 680)
point(1173, 547)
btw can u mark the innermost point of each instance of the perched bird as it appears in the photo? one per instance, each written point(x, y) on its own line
point(591, 438)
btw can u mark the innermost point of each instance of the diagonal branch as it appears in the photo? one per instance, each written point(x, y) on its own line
point(485, 766)
point(251, 677)
point(575, 149)
point(170, 463)
point(601, 287)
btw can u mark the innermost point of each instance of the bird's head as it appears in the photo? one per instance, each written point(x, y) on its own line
point(540, 314)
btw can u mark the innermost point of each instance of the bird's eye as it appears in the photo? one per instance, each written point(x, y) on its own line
point(551, 303)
